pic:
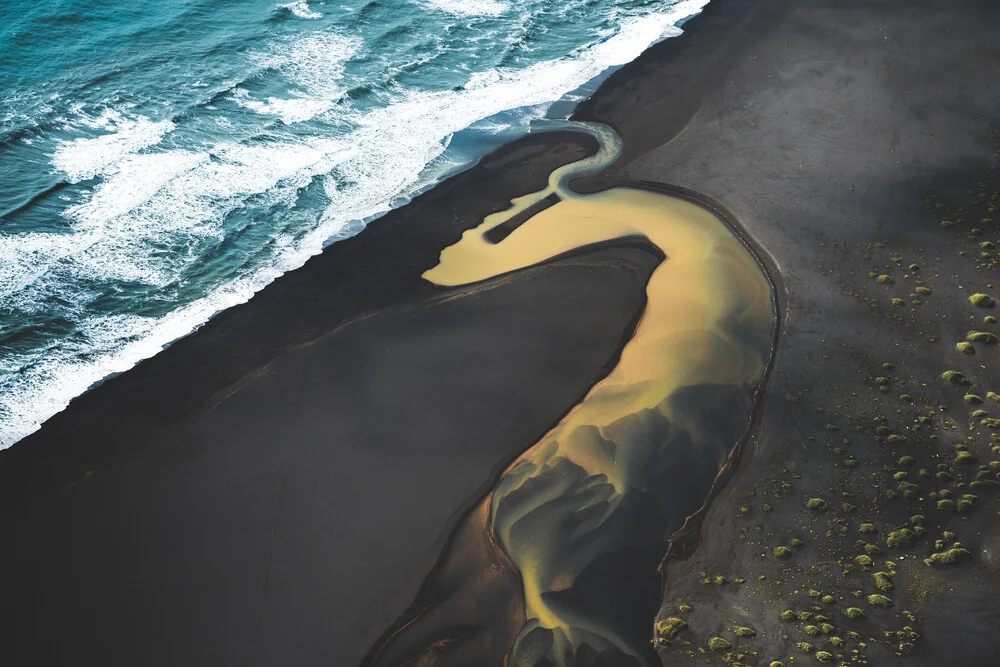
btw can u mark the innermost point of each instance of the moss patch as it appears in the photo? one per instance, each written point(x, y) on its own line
point(982, 300)
point(669, 627)
point(981, 337)
point(817, 504)
point(947, 557)
point(719, 644)
point(877, 600)
point(882, 581)
point(900, 538)
point(954, 377)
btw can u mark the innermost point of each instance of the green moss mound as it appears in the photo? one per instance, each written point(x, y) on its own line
point(964, 457)
point(883, 581)
point(966, 503)
point(854, 613)
point(982, 300)
point(781, 552)
point(817, 504)
point(981, 337)
point(900, 538)
point(947, 557)
point(742, 631)
point(965, 348)
point(669, 627)
point(719, 644)
point(954, 377)
point(877, 600)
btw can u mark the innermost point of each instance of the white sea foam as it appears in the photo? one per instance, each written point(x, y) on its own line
point(132, 181)
point(86, 157)
point(397, 142)
point(469, 7)
point(293, 110)
point(149, 198)
point(314, 62)
point(302, 10)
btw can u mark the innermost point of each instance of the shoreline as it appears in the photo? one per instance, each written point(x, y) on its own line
point(67, 475)
point(291, 285)
point(51, 455)
point(190, 317)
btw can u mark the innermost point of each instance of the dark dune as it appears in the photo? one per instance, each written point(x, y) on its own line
point(292, 517)
point(274, 489)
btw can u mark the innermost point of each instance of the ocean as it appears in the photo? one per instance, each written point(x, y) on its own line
point(161, 162)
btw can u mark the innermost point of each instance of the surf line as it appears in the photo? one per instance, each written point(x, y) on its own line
point(583, 515)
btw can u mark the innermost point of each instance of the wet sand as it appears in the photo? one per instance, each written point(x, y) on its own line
point(294, 516)
point(640, 452)
point(287, 510)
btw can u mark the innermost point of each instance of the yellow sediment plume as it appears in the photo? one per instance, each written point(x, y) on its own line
point(708, 322)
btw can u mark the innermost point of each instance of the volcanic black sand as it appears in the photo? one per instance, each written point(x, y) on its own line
point(274, 489)
point(858, 144)
point(288, 514)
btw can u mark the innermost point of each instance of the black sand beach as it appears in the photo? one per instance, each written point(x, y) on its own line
point(292, 515)
point(274, 489)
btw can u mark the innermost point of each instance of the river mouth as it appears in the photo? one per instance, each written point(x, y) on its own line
point(571, 533)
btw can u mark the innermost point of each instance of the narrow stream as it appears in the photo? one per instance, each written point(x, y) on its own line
point(576, 525)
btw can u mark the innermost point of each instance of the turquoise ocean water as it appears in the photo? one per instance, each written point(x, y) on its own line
point(160, 162)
